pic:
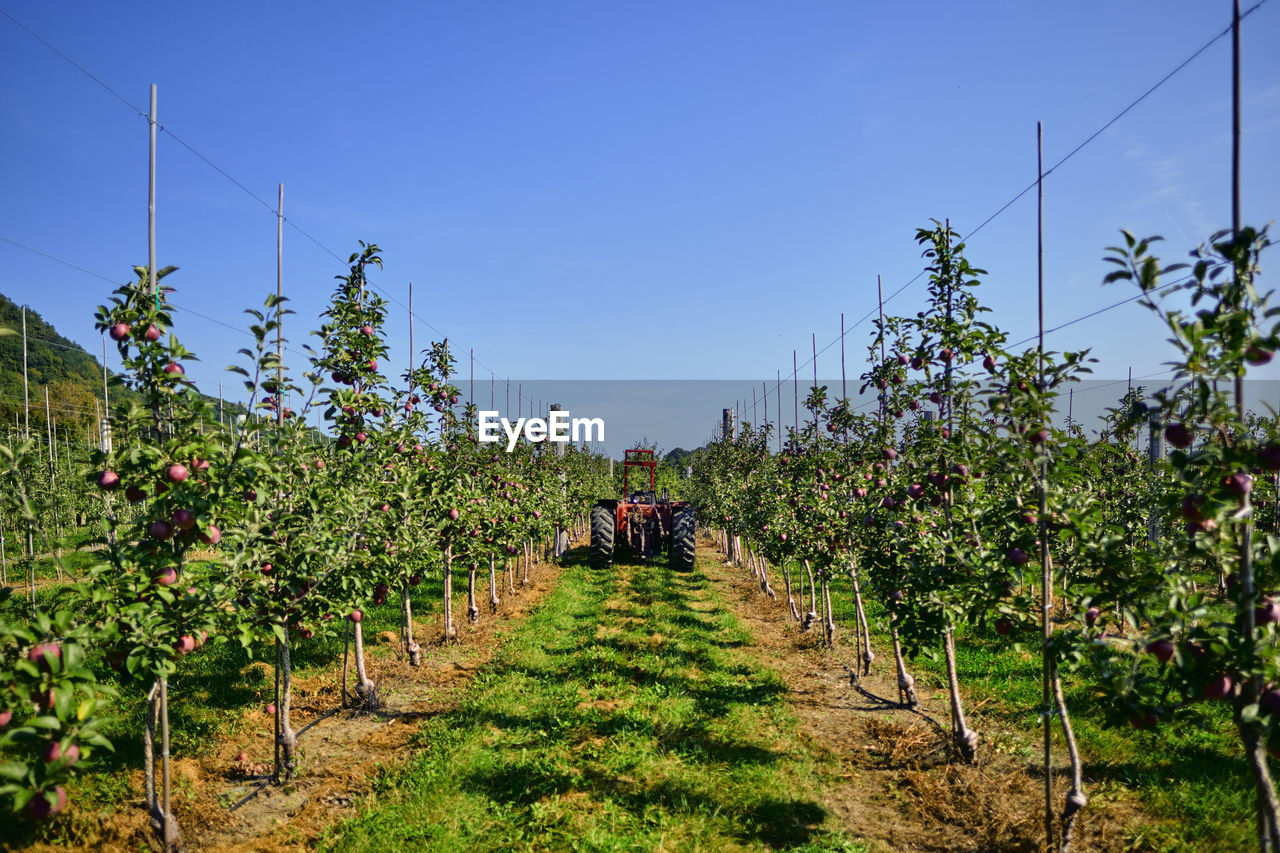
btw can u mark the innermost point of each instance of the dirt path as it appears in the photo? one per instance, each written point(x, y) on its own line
point(225, 805)
point(896, 787)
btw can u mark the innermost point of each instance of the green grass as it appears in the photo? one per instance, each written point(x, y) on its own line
point(619, 717)
point(1189, 774)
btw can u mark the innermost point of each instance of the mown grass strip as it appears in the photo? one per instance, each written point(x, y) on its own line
point(619, 717)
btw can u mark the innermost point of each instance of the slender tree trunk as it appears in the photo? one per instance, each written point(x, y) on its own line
point(791, 602)
point(764, 578)
point(1268, 807)
point(1076, 799)
point(867, 654)
point(449, 631)
point(811, 615)
point(473, 612)
point(364, 686)
point(493, 585)
point(286, 762)
point(906, 683)
point(528, 558)
point(830, 623)
point(412, 650)
point(966, 739)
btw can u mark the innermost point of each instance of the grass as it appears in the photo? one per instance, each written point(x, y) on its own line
point(619, 717)
point(1188, 774)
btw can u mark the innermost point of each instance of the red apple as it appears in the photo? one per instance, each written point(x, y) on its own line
point(152, 334)
point(989, 362)
point(174, 369)
point(42, 653)
point(1269, 701)
point(361, 438)
point(5, 716)
point(271, 708)
point(1239, 484)
point(1091, 616)
point(108, 481)
point(1179, 435)
point(186, 644)
point(184, 519)
point(1003, 627)
point(414, 580)
point(453, 515)
point(177, 472)
point(366, 330)
point(1269, 456)
point(161, 530)
point(119, 331)
point(1162, 649)
point(1018, 556)
point(355, 616)
point(1257, 355)
point(1218, 687)
point(167, 577)
point(39, 808)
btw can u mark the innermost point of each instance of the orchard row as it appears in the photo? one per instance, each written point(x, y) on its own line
point(963, 502)
point(263, 533)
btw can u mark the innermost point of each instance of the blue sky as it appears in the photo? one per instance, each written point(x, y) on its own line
point(623, 190)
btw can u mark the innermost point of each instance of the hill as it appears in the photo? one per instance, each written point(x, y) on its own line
point(72, 376)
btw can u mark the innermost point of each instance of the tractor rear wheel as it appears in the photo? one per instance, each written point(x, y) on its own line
point(602, 524)
point(682, 539)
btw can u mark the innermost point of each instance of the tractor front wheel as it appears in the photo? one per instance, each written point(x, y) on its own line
point(602, 524)
point(682, 539)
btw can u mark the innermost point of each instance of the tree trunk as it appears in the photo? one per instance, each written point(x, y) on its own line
point(412, 650)
point(1267, 806)
point(867, 654)
point(966, 739)
point(493, 585)
point(791, 602)
point(286, 755)
point(830, 623)
point(1076, 800)
point(364, 686)
point(473, 612)
point(906, 684)
point(449, 631)
point(811, 615)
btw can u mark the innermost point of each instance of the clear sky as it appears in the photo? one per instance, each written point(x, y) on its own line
point(622, 190)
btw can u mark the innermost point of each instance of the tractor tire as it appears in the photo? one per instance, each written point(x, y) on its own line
point(682, 539)
point(602, 524)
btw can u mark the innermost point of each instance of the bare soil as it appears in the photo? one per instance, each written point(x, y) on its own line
point(898, 785)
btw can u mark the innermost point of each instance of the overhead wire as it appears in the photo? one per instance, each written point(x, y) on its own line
point(1219, 36)
point(205, 159)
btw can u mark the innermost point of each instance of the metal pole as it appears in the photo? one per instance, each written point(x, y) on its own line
point(26, 394)
point(795, 387)
point(151, 201)
point(279, 312)
point(814, 336)
point(779, 390)
point(1046, 578)
point(411, 339)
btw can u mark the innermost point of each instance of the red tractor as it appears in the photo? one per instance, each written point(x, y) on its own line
point(647, 524)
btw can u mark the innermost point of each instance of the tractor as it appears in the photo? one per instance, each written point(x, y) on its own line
point(646, 523)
